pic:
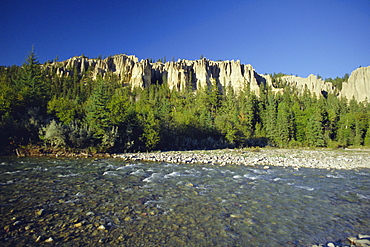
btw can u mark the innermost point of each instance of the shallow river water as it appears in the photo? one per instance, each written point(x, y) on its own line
point(88, 202)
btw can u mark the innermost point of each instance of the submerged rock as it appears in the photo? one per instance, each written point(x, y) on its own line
point(360, 240)
point(40, 212)
point(49, 240)
point(101, 227)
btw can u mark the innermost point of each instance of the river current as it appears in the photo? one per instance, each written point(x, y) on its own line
point(87, 202)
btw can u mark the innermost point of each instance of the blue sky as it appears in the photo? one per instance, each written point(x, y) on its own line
point(326, 37)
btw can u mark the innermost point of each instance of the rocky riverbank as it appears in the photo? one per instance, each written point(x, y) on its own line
point(308, 158)
point(323, 159)
point(358, 241)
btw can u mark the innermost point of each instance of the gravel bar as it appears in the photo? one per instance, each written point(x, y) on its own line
point(298, 158)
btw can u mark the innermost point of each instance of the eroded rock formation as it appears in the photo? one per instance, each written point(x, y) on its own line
point(358, 85)
point(201, 73)
point(312, 83)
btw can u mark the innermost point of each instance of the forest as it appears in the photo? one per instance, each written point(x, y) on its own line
point(40, 108)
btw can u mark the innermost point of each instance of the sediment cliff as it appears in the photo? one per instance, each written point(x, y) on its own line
point(203, 72)
point(358, 85)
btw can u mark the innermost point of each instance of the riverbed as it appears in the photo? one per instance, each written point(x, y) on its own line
point(87, 202)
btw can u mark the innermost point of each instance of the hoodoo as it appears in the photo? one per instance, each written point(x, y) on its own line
point(203, 72)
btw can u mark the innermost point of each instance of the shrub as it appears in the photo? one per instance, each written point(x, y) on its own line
point(79, 135)
point(53, 134)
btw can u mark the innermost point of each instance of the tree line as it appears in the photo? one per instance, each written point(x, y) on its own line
point(38, 107)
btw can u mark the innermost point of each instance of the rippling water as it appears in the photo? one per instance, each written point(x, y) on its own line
point(163, 204)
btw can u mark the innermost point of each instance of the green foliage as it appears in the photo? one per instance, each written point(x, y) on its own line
point(31, 82)
point(53, 134)
point(104, 115)
point(97, 112)
point(277, 82)
point(338, 81)
point(315, 131)
point(284, 122)
point(67, 110)
point(367, 137)
point(79, 135)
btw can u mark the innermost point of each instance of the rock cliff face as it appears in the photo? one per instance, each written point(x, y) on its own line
point(358, 85)
point(202, 73)
point(312, 83)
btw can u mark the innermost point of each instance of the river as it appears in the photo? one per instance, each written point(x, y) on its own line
point(86, 202)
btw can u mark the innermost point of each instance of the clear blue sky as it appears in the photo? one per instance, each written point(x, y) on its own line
point(299, 37)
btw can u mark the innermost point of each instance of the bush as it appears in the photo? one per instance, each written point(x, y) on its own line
point(333, 144)
point(53, 134)
point(79, 135)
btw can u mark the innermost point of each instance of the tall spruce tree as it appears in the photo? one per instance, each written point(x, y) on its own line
point(284, 125)
point(31, 82)
point(97, 112)
point(315, 131)
point(367, 136)
point(270, 117)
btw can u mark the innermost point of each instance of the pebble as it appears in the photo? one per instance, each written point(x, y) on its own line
point(49, 240)
point(18, 222)
point(362, 242)
point(90, 213)
point(78, 224)
point(101, 227)
point(39, 212)
point(236, 216)
point(297, 158)
point(359, 241)
point(363, 236)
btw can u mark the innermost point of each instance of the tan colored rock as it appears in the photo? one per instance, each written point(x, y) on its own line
point(141, 74)
point(313, 84)
point(358, 85)
point(202, 73)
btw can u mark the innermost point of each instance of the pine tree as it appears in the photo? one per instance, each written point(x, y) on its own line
point(31, 82)
point(248, 105)
point(270, 117)
point(315, 131)
point(358, 139)
point(285, 125)
point(367, 137)
point(97, 112)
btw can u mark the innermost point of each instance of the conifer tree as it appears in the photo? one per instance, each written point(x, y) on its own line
point(31, 82)
point(358, 139)
point(97, 113)
point(315, 131)
point(270, 117)
point(367, 137)
point(284, 122)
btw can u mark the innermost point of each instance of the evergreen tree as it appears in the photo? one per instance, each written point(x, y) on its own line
point(248, 112)
point(367, 137)
point(345, 131)
point(31, 82)
point(358, 139)
point(315, 131)
point(285, 125)
point(97, 112)
point(270, 118)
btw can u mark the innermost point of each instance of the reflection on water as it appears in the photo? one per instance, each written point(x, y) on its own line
point(86, 201)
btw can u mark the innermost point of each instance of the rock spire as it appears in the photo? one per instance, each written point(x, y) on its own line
point(201, 73)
